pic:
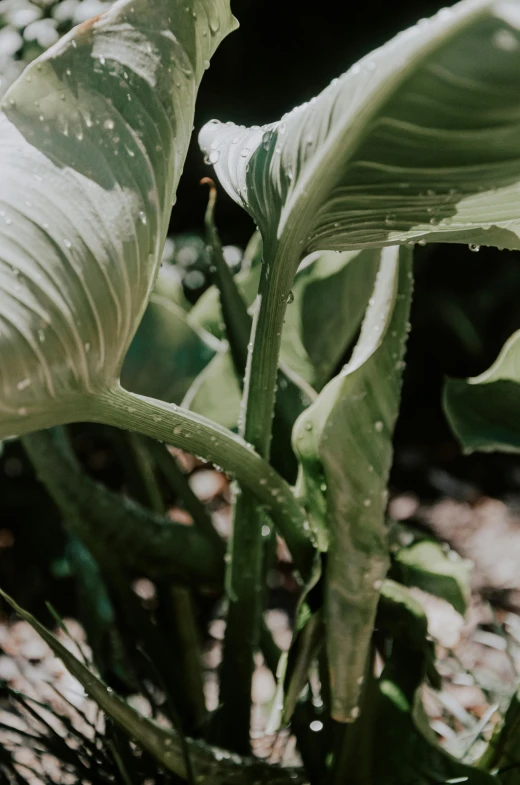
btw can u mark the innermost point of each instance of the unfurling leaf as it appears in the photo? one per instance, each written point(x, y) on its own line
point(344, 444)
point(93, 138)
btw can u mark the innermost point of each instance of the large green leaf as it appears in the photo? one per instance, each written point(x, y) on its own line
point(168, 352)
point(484, 411)
point(93, 138)
point(344, 443)
point(419, 141)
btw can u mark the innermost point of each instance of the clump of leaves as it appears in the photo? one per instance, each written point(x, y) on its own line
point(417, 143)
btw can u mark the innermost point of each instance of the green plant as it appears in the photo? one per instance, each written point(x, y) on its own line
point(417, 143)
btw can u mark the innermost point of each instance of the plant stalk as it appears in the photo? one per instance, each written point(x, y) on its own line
point(244, 573)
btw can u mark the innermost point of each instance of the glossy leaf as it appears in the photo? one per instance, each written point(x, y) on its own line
point(167, 354)
point(344, 443)
point(419, 141)
point(426, 565)
point(331, 293)
point(93, 140)
point(483, 411)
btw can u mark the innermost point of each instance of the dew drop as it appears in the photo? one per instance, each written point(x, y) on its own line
point(214, 157)
point(367, 502)
point(290, 298)
point(23, 384)
point(67, 244)
point(474, 248)
point(108, 125)
point(316, 726)
point(245, 152)
point(142, 217)
point(22, 411)
point(378, 426)
point(505, 40)
point(87, 347)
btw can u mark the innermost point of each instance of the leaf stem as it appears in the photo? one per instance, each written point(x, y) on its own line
point(178, 482)
point(244, 573)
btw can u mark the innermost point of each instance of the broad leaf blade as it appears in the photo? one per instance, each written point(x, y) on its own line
point(344, 443)
point(216, 392)
point(483, 411)
point(330, 293)
point(167, 354)
point(93, 140)
point(418, 141)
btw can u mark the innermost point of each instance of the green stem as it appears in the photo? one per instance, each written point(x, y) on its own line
point(144, 542)
point(178, 482)
point(185, 660)
point(213, 443)
point(244, 574)
point(145, 467)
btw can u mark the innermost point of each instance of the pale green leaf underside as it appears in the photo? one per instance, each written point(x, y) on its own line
point(344, 444)
point(420, 141)
point(93, 138)
point(484, 411)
